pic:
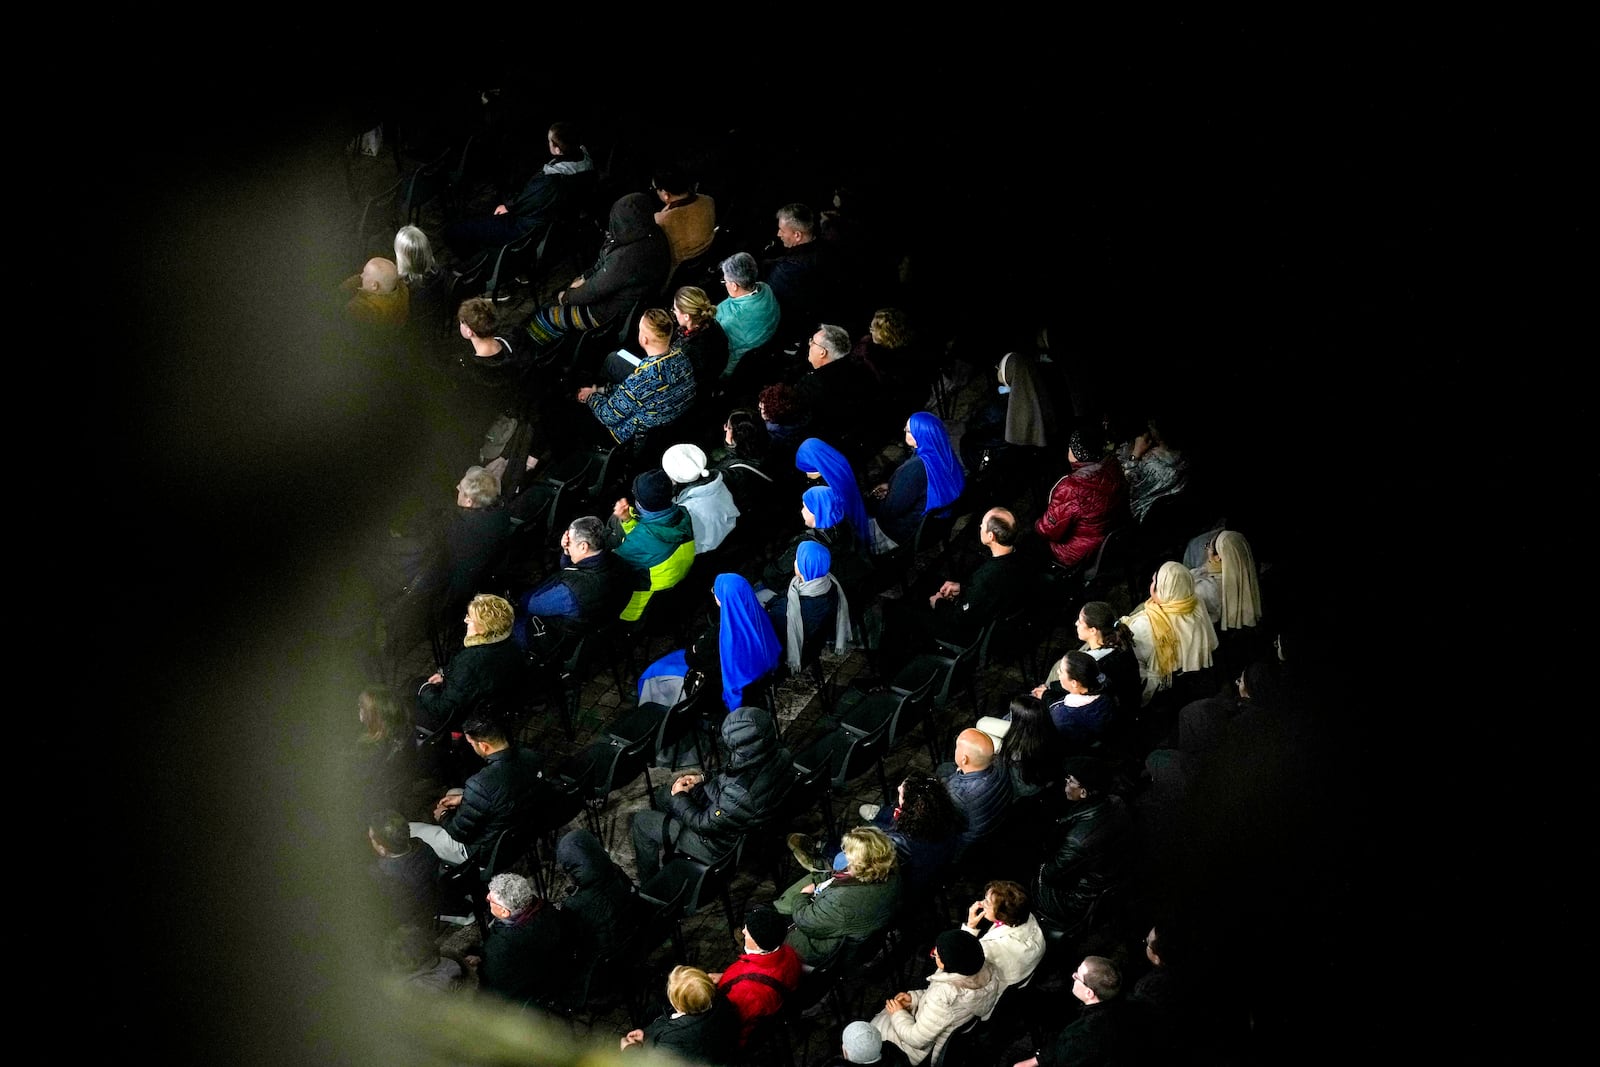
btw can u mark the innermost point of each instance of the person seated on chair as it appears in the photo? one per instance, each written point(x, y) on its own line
point(861, 1043)
point(378, 298)
point(838, 389)
point(979, 788)
point(1083, 704)
point(492, 363)
point(700, 336)
point(688, 218)
point(702, 1026)
point(958, 611)
point(761, 979)
point(704, 817)
point(742, 460)
point(814, 607)
point(962, 987)
point(654, 536)
point(589, 589)
point(631, 267)
point(1014, 422)
point(823, 514)
point(646, 392)
point(738, 648)
point(508, 792)
point(600, 895)
point(406, 874)
point(1013, 944)
point(823, 464)
point(1033, 750)
point(1099, 1034)
point(749, 315)
point(1087, 503)
point(855, 902)
point(1162, 1004)
point(1110, 644)
point(801, 272)
point(1154, 465)
point(703, 494)
point(786, 415)
point(929, 481)
point(422, 276)
point(529, 951)
point(1091, 848)
point(890, 352)
point(925, 827)
point(383, 760)
point(488, 670)
point(1171, 631)
point(1228, 583)
point(552, 193)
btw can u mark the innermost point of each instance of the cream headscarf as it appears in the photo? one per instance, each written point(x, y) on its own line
point(1241, 595)
point(1174, 596)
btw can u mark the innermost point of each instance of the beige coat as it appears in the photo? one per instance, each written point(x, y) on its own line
point(1012, 952)
point(949, 1002)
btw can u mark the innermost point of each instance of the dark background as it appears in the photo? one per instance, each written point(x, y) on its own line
point(1270, 219)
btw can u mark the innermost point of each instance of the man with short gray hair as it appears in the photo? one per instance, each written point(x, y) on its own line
point(801, 271)
point(590, 588)
point(531, 947)
point(839, 387)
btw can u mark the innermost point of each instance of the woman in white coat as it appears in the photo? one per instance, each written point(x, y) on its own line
point(963, 988)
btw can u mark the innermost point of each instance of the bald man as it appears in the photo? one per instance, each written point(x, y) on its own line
point(957, 611)
point(380, 299)
point(978, 786)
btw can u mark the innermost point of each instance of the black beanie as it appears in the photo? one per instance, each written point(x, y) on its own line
point(652, 490)
point(959, 951)
point(767, 927)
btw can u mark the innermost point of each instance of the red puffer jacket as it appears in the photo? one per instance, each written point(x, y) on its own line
point(1084, 506)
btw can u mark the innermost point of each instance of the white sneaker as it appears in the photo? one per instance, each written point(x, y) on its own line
point(870, 811)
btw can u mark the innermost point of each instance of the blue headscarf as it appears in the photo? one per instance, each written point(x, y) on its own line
point(747, 646)
point(945, 478)
point(815, 454)
point(824, 504)
point(813, 559)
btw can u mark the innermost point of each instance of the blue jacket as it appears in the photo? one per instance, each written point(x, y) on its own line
point(983, 797)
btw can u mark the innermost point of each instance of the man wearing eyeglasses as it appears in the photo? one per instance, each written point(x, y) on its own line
point(1098, 1035)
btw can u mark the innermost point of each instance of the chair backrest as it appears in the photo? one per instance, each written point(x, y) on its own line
point(627, 762)
point(864, 752)
point(934, 529)
point(714, 878)
point(959, 1046)
point(912, 709)
point(378, 213)
point(683, 720)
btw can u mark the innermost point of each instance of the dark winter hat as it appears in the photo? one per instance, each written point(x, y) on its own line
point(960, 952)
point(652, 490)
point(767, 928)
point(1089, 444)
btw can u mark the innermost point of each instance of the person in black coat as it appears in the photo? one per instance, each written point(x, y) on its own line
point(590, 588)
point(406, 874)
point(602, 897)
point(490, 671)
point(1099, 1036)
point(510, 792)
point(839, 389)
point(632, 266)
point(1092, 850)
point(529, 954)
point(701, 1027)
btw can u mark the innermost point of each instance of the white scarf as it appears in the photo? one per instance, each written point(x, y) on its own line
point(797, 627)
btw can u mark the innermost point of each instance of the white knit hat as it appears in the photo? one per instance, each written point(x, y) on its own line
point(862, 1043)
point(684, 463)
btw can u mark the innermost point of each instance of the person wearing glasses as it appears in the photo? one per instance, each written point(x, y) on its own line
point(749, 315)
point(838, 389)
point(530, 949)
point(1098, 1035)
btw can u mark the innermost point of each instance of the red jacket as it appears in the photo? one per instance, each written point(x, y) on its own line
point(1084, 506)
point(755, 998)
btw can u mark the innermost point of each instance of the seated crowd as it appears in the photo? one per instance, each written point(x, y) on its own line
point(789, 498)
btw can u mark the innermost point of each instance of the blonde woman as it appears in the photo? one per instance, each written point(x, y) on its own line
point(1171, 631)
point(702, 1027)
point(699, 333)
point(855, 902)
point(489, 668)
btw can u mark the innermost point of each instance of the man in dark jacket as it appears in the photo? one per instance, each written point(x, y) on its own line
point(591, 587)
point(838, 388)
point(528, 953)
point(508, 792)
point(802, 272)
point(703, 818)
point(980, 789)
point(632, 266)
point(1098, 1035)
point(550, 195)
point(1093, 850)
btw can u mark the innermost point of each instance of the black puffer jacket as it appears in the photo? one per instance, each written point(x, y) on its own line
point(603, 896)
point(745, 795)
point(633, 262)
point(507, 792)
point(478, 676)
point(1095, 852)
